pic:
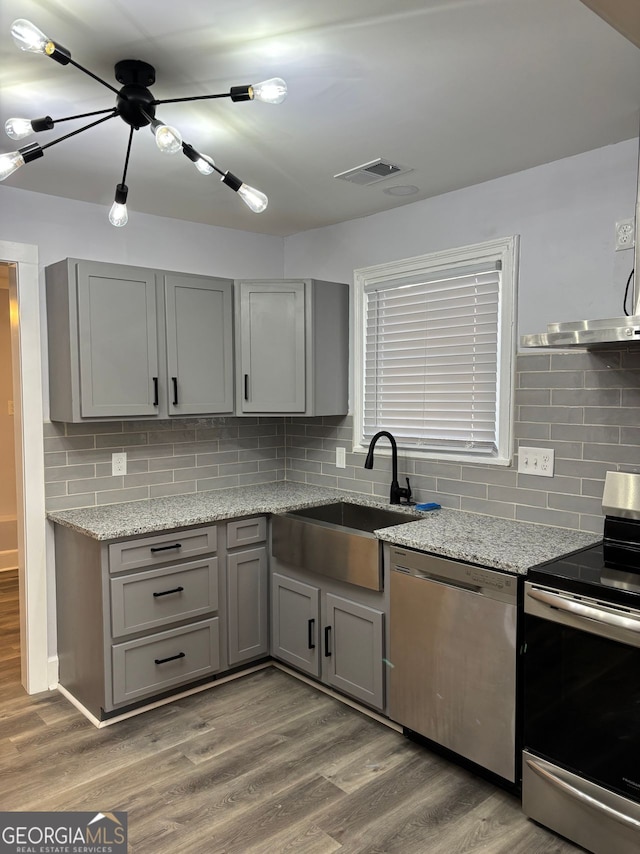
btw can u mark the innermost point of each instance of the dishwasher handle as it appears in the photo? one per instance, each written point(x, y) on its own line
point(424, 575)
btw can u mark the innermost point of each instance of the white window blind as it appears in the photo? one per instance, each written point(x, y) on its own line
point(431, 359)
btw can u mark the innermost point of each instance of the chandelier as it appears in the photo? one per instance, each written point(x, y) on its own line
point(136, 106)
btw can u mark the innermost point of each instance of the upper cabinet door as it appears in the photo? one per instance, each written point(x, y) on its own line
point(118, 344)
point(199, 320)
point(271, 375)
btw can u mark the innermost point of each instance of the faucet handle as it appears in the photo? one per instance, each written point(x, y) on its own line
point(407, 492)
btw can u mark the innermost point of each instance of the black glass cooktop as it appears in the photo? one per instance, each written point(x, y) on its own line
point(588, 573)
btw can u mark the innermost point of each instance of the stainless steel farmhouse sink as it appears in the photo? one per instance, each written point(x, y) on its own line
point(336, 540)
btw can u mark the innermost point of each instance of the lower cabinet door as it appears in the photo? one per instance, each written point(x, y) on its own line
point(154, 663)
point(247, 605)
point(353, 650)
point(295, 615)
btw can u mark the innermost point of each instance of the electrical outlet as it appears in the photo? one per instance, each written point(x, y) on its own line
point(10, 409)
point(341, 462)
point(625, 234)
point(118, 464)
point(538, 461)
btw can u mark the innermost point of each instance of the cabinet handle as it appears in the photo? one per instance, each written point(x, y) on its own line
point(310, 633)
point(174, 380)
point(155, 391)
point(165, 548)
point(327, 638)
point(171, 658)
point(246, 386)
point(167, 592)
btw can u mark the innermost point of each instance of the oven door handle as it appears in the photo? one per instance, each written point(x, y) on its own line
point(583, 797)
point(579, 609)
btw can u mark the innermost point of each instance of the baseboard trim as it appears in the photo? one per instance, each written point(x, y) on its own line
point(157, 703)
point(336, 696)
point(52, 672)
point(230, 678)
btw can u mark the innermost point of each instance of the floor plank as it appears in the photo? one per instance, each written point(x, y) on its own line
point(265, 764)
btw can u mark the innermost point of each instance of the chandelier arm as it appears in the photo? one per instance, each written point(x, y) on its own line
point(91, 74)
point(126, 159)
point(190, 98)
point(79, 130)
point(83, 115)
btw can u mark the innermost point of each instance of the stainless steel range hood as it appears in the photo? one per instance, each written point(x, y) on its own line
point(591, 334)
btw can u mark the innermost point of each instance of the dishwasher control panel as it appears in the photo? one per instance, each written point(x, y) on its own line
point(475, 579)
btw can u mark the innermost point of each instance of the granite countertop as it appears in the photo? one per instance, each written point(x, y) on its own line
point(485, 540)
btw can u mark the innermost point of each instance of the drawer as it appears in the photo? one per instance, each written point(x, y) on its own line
point(160, 661)
point(245, 532)
point(148, 600)
point(162, 548)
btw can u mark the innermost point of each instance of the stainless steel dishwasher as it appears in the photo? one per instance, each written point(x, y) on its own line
point(453, 656)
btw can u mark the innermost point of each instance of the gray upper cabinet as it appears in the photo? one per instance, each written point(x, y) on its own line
point(103, 340)
point(127, 342)
point(292, 347)
point(118, 347)
point(199, 323)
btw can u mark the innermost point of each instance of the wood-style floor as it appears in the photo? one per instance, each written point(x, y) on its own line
point(265, 764)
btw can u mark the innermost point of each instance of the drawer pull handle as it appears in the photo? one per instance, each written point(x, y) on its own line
point(155, 391)
point(174, 381)
point(327, 641)
point(167, 592)
point(246, 386)
point(171, 658)
point(311, 628)
point(165, 548)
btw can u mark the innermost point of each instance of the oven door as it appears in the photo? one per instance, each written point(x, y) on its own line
point(581, 715)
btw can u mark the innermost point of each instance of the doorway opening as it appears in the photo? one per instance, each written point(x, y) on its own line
point(19, 261)
point(8, 497)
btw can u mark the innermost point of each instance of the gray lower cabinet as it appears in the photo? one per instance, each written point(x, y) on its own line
point(129, 342)
point(292, 347)
point(295, 623)
point(354, 649)
point(329, 636)
point(137, 618)
point(247, 590)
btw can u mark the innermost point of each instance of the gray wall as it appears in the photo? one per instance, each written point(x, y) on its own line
point(565, 213)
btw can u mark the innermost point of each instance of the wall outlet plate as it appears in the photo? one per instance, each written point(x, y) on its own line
point(625, 236)
point(118, 464)
point(537, 461)
point(341, 460)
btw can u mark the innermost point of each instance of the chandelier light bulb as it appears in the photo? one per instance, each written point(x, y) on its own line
point(272, 91)
point(254, 199)
point(204, 164)
point(18, 128)
point(118, 214)
point(28, 37)
point(9, 163)
point(168, 139)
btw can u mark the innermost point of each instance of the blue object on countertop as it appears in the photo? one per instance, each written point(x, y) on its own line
point(430, 505)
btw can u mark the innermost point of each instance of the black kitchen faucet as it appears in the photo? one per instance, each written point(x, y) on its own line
point(398, 494)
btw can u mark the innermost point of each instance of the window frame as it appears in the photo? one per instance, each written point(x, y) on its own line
point(504, 250)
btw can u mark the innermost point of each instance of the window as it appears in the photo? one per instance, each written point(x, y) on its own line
point(435, 352)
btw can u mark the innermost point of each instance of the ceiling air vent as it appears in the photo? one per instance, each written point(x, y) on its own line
point(371, 173)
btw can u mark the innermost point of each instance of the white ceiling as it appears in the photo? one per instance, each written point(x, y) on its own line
point(461, 91)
